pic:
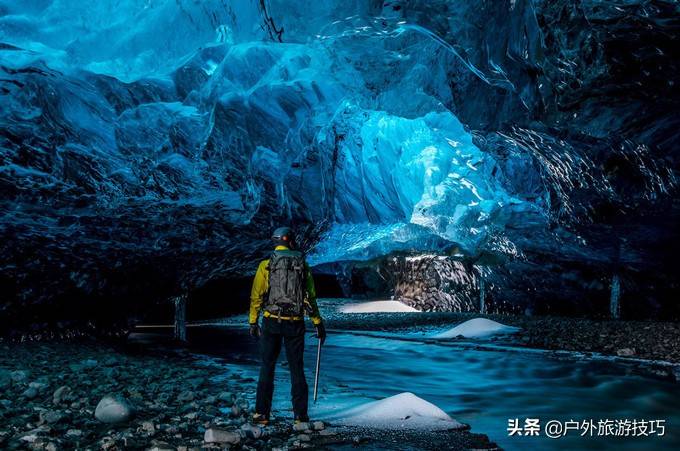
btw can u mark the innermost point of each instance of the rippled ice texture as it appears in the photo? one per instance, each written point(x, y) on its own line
point(155, 144)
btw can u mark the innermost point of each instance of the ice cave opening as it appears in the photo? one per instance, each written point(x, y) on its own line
point(149, 148)
point(484, 195)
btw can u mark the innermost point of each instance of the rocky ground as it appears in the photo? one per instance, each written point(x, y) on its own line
point(88, 395)
point(651, 340)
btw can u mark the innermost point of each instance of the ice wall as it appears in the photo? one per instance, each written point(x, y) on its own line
point(148, 147)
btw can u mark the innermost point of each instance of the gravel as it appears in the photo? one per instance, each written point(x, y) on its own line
point(180, 402)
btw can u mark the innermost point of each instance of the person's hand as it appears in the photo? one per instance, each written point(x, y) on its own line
point(321, 332)
point(255, 331)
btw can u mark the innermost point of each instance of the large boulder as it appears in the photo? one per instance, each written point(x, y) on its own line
point(113, 409)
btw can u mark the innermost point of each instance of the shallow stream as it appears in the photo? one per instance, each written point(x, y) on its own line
point(481, 387)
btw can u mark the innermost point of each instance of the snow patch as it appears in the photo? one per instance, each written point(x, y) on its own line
point(378, 307)
point(478, 328)
point(402, 411)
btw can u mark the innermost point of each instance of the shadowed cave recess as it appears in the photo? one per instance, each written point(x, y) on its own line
point(428, 150)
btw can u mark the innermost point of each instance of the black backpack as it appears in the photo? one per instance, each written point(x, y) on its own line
point(287, 283)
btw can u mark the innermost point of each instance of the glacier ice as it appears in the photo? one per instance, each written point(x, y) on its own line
point(149, 147)
point(477, 328)
point(377, 307)
point(402, 411)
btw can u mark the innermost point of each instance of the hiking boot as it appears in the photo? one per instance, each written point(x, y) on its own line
point(261, 420)
point(302, 419)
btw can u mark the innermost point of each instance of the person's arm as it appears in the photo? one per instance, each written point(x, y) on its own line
point(257, 293)
point(313, 308)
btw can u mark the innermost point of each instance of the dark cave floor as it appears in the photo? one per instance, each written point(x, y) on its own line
point(49, 393)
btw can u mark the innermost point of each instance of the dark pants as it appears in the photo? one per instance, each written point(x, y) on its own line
point(292, 334)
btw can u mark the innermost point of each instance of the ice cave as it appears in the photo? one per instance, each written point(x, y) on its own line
point(484, 194)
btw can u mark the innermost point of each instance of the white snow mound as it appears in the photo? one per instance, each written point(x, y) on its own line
point(377, 307)
point(402, 411)
point(478, 328)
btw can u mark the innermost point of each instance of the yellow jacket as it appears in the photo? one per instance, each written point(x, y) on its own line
point(261, 286)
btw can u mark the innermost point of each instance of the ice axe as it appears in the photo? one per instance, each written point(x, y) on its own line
point(316, 375)
point(308, 309)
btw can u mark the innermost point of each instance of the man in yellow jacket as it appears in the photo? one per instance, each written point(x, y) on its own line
point(284, 290)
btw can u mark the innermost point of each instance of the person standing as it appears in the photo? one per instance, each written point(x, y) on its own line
point(283, 289)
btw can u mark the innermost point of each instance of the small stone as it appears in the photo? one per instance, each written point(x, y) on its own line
point(195, 382)
point(107, 443)
point(304, 438)
point(74, 433)
point(318, 425)
point(30, 393)
point(135, 394)
point(243, 404)
point(328, 431)
point(40, 386)
point(33, 435)
point(110, 361)
point(30, 437)
point(130, 442)
point(113, 409)
point(303, 426)
point(111, 372)
point(50, 416)
point(51, 446)
point(251, 431)
point(19, 376)
point(214, 435)
point(235, 410)
point(186, 396)
point(625, 352)
point(149, 427)
point(89, 363)
point(61, 394)
point(161, 448)
point(187, 408)
point(226, 397)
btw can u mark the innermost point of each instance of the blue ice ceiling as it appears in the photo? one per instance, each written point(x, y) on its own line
point(167, 138)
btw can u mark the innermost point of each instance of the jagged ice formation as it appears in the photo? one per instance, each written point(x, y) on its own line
point(150, 147)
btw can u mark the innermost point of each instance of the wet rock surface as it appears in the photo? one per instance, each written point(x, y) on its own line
point(86, 393)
